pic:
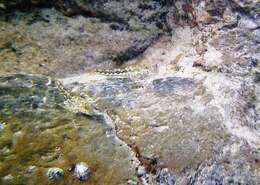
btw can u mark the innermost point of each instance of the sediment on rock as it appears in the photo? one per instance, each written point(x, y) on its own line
point(184, 110)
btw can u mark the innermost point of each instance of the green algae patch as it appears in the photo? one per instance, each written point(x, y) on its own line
point(39, 133)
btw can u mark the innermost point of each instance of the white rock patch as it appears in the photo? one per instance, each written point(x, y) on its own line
point(81, 171)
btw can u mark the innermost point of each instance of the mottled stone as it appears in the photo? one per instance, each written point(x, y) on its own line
point(34, 107)
point(256, 35)
point(59, 45)
point(141, 171)
point(81, 171)
point(54, 173)
point(163, 177)
point(192, 118)
point(247, 23)
point(170, 84)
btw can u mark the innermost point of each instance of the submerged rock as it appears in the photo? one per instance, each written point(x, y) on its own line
point(163, 177)
point(184, 115)
point(81, 171)
point(8, 178)
point(131, 182)
point(86, 40)
point(31, 169)
point(141, 171)
point(54, 173)
point(202, 124)
point(170, 84)
point(2, 126)
point(34, 106)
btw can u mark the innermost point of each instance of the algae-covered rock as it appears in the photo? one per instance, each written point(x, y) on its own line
point(40, 132)
point(185, 111)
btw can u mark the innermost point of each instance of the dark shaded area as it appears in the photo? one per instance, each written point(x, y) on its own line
point(135, 50)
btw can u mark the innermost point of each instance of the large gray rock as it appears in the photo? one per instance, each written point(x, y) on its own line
point(185, 116)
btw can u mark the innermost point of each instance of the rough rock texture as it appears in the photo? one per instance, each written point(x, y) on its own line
point(59, 45)
point(185, 111)
point(81, 171)
point(194, 107)
point(39, 131)
point(54, 173)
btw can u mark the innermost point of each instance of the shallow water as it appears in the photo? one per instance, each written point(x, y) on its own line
point(38, 131)
point(87, 89)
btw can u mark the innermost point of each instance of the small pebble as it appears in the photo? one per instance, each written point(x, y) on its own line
point(131, 182)
point(141, 171)
point(30, 169)
point(1, 126)
point(81, 171)
point(8, 178)
point(54, 173)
